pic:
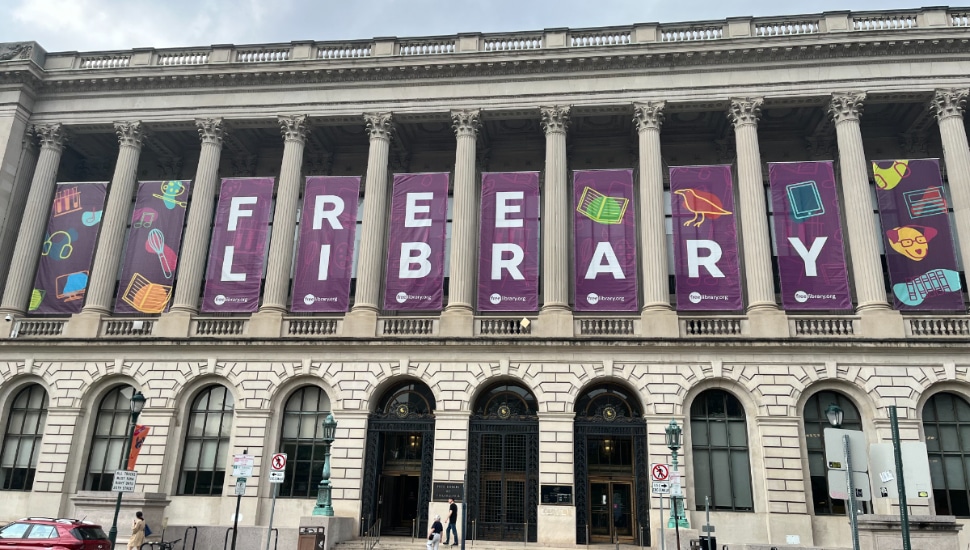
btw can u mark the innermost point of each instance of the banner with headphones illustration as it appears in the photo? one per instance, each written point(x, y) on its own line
point(68, 249)
point(915, 213)
point(151, 254)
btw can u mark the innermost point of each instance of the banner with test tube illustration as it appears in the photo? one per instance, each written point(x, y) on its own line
point(151, 254)
point(808, 236)
point(68, 249)
point(915, 218)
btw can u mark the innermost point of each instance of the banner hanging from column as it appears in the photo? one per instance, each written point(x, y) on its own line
point(808, 236)
point(915, 218)
point(325, 256)
point(508, 259)
point(238, 247)
point(605, 241)
point(68, 249)
point(416, 247)
point(137, 440)
point(705, 239)
point(151, 254)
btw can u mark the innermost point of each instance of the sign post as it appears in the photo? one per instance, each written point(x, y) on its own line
point(277, 474)
point(242, 468)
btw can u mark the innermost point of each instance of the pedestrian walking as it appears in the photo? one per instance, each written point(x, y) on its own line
point(452, 523)
point(137, 531)
point(434, 533)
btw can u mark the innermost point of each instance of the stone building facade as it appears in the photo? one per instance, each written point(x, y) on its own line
point(572, 403)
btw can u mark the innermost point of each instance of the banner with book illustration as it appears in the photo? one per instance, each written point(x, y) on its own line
point(508, 262)
point(237, 252)
point(605, 241)
point(808, 236)
point(151, 254)
point(915, 218)
point(706, 260)
point(68, 249)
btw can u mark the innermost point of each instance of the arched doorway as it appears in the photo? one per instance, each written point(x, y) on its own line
point(503, 465)
point(612, 489)
point(398, 460)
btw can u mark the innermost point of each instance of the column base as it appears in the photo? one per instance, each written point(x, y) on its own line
point(83, 325)
point(768, 323)
point(266, 324)
point(457, 322)
point(174, 324)
point(555, 323)
point(882, 323)
point(670, 537)
point(659, 323)
point(360, 323)
point(556, 525)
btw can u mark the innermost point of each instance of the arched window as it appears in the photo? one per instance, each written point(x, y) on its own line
point(408, 399)
point(207, 443)
point(815, 424)
point(719, 446)
point(111, 429)
point(946, 422)
point(607, 401)
point(21, 440)
point(303, 417)
point(504, 401)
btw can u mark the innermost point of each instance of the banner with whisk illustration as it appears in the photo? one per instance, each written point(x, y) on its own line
point(151, 253)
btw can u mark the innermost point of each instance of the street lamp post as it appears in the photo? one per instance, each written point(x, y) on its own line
point(136, 404)
point(324, 503)
point(677, 517)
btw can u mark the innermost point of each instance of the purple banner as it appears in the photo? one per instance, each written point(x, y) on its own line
point(238, 246)
point(154, 239)
point(416, 247)
point(808, 236)
point(321, 279)
point(508, 262)
point(68, 249)
point(705, 239)
point(605, 240)
point(915, 220)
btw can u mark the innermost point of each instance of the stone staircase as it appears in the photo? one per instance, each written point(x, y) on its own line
point(405, 543)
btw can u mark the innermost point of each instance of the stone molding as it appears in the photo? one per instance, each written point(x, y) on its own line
point(51, 136)
point(846, 106)
point(211, 130)
point(649, 115)
point(293, 127)
point(949, 103)
point(745, 110)
point(379, 125)
point(466, 123)
point(555, 119)
point(30, 139)
point(131, 133)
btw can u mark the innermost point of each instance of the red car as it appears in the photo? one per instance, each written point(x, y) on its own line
point(52, 534)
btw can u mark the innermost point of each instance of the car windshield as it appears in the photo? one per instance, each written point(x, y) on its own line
point(88, 533)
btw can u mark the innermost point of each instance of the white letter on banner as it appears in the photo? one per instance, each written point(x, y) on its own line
point(502, 207)
point(511, 265)
point(411, 208)
point(709, 262)
point(809, 256)
point(604, 251)
point(331, 215)
point(227, 274)
point(235, 212)
point(408, 259)
point(323, 270)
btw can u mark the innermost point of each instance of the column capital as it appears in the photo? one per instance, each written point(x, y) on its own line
point(51, 136)
point(30, 138)
point(293, 127)
point(379, 125)
point(555, 120)
point(745, 110)
point(649, 115)
point(211, 130)
point(846, 106)
point(131, 133)
point(947, 103)
point(466, 122)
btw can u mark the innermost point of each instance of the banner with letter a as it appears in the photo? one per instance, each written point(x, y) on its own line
point(68, 249)
point(808, 236)
point(705, 239)
point(605, 240)
point(325, 256)
point(238, 247)
point(416, 247)
point(508, 261)
point(915, 215)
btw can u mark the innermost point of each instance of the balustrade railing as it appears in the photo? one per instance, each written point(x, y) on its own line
point(309, 326)
point(938, 326)
point(105, 61)
point(226, 326)
point(427, 47)
point(884, 22)
point(691, 34)
point(262, 55)
point(713, 326)
point(513, 43)
point(607, 326)
point(344, 51)
point(786, 28)
point(960, 19)
point(127, 327)
point(824, 326)
point(599, 38)
point(504, 326)
point(408, 326)
point(182, 58)
point(31, 328)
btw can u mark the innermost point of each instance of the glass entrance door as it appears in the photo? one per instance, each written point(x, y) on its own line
point(611, 513)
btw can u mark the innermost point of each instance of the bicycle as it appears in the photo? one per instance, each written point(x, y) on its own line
point(159, 545)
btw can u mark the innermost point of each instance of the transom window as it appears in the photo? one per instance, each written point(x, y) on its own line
point(111, 429)
point(303, 417)
point(21, 440)
point(815, 424)
point(207, 442)
point(946, 422)
point(719, 446)
point(608, 402)
point(408, 399)
point(505, 401)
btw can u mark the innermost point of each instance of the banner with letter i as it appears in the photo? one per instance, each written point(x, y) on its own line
point(508, 262)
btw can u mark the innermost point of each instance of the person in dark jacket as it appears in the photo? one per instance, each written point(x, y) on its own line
point(434, 533)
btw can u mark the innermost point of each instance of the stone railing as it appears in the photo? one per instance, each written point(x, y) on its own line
point(427, 47)
point(786, 28)
point(504, 326)
point(311, 326)
point(105, 61)
point(606, 326)
point(960, 19)
point(511, 43)
point(823, 326)
point(344, 51)
point(935, 327)
point(693, 327)
point(262, 55)
point(219, 326)
point(600, 37)
point(127, 327)
point(37, 328)
point(407, 326)
point(691, 34)
point(885, 22)
point(194, 57)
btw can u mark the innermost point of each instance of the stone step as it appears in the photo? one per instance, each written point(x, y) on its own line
point(404, 543)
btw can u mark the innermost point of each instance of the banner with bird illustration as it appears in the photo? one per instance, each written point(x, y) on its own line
point(915, 213)
point(705, 239)
point(151, 253)
point(808, 236)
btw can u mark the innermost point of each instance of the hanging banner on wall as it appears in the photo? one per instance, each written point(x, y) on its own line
point(605, 241)
point(705, 239)
point(508, 262)
point(68, 249)
point(416, 247)
point(325, 256)
point(138, 439)
point(915, 218)
point(151, 255)
point(808, 236)
point(238, 248)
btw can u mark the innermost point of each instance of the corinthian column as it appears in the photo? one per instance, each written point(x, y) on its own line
point(362, 320)
point(949, 106)
point(20, 278)
point(458, 318)
point(18, 199)
point(657, 317)
point(555, 318)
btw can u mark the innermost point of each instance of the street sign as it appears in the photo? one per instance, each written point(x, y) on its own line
point(916, 470)
point(242, 465)
point(278, 462)
point(659, 472)
point(240, 487)
point(277, 477)
point(124, 481)
point(838, 489)
point(707, 528)
point(661, 488)
point(835, 457)
point(675, 490)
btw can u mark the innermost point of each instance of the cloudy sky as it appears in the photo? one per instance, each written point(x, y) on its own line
point(87, 25)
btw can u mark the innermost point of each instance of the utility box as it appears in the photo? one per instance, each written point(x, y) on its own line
point(312, 538)
point(708, 543)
